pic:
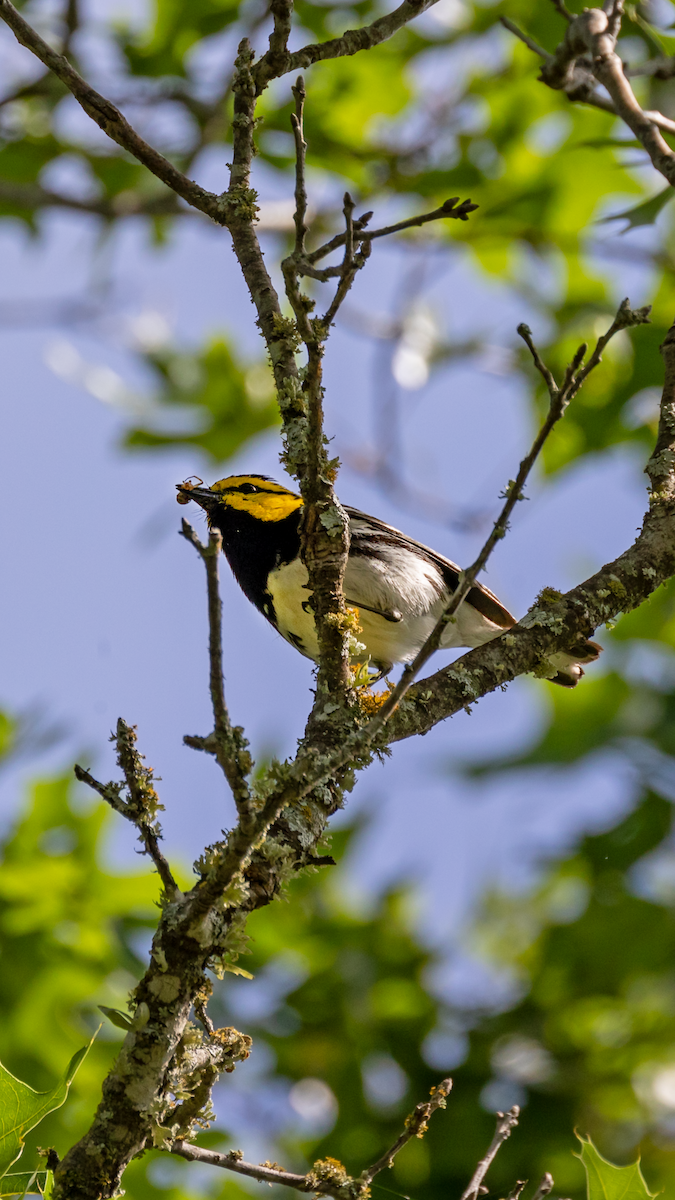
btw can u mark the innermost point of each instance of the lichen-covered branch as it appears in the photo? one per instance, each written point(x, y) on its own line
point(141, 804)
point(327, 1177)
point(415, 1127)
point(325, 527)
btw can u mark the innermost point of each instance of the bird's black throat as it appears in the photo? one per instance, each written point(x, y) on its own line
point(253, 548)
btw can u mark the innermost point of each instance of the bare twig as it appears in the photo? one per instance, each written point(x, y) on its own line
point(524, 37)
point(300, 151)
point(544, 1188)
point(142, 805)
point(517, 1189)
point(559, 400)
point(230, 1162)
point(505, 1123)
point(562, 8)
point(415, 1126)
point(227, 742)
point(525, 333)
point(588, 55)
point(449, 209)
point(351, 264)
point(351, 42)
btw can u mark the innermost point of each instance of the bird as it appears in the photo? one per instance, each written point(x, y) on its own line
point(398, 586)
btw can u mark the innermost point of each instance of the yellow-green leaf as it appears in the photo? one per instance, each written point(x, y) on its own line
point(607, 1182)
point(21, 1108)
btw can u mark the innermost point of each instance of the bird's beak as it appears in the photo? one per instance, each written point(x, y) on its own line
point(201, 495)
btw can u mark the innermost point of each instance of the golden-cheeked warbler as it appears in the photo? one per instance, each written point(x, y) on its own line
point(399, 587)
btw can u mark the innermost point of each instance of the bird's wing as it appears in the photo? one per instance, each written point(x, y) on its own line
point(479, 597)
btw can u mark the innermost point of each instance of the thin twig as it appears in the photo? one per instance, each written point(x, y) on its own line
point(524, 37)
point(337, 240)
point(142, 805)
point(544, 1188)
point(517, 1189)
point(559, 400)
point(351, 42)
point(300, 152)
point(230, 1162)
point(562, 8)
point(227, 742)
point(505, 1123)
point(525, 333)
point(351, 263)
point(415, 1126)
point(348, 211)
point(450, 209)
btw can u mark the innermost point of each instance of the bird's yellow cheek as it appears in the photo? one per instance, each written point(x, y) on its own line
point(266, 506)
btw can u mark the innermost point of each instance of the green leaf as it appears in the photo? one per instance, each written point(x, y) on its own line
point(234, 970)
point(643, 214)
point(607, 1182)
point(232, 402)
point(24, 1182)
point(21, 1108)
point(116, 1017)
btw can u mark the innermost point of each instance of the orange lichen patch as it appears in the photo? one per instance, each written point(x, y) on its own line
point(371, 702)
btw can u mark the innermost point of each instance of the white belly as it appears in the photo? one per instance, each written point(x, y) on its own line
point(370, 583)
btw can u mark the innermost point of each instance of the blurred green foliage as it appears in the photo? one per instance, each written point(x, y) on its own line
point(450, 105)
point(231, 403)
point(341, 1000)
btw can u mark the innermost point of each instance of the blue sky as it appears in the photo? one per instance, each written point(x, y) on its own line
point(104, 607)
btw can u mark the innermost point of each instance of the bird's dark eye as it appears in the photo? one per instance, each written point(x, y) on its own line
point(248, 487)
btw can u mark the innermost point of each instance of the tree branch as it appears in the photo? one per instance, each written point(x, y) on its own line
point(227, 742)
point(588, 55)
point(300, 151)
point(559, 399)
point(231, 1162)
point(109, 118)
point(506, 1122)
point(326, 1177)
point(544, 1188)
point(205, 926)
point(351, 42)
point(143, 804)
point(450, 209)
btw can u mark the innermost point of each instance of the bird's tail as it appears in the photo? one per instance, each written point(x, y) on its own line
point(568, 664)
